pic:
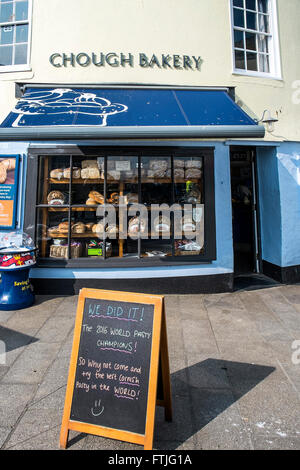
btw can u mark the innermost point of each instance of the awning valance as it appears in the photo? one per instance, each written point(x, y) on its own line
point(105, 113)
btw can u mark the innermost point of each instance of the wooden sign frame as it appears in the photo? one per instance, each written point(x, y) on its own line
point(159, 351)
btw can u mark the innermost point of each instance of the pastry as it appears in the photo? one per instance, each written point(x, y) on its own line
point(114, 198)
point(79, 227)
point(96, 196)
point(89, 164)
point(55, 198)
point(57, 174)
point(90, 173)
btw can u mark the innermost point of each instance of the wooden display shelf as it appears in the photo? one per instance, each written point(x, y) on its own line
point(73, 235)
point(127, 181)
point(65, 209)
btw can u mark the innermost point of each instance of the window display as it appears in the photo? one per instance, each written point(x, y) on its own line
point(121, 205)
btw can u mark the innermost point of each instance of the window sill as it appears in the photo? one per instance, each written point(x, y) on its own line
point(15, 68)
point(92, 263)
point(265, 76)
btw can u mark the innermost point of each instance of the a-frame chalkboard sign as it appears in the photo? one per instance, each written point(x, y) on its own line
point(119, 367)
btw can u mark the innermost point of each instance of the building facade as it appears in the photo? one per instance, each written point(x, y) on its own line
point(135, 102)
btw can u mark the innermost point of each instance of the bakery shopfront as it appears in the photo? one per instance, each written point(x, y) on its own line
point(128, 187)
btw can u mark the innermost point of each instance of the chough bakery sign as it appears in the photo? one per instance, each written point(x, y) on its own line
point(113, 59)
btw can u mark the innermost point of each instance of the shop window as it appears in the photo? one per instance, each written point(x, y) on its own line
point(15, 21)
point(134, 206)
point(255, 41)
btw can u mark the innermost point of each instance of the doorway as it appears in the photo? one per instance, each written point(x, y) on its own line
point(246, 241)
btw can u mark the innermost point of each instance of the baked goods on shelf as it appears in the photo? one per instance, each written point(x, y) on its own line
point(55, 198)
point(89, 164)
point(136, 225)
point(63, 227)
point(61, 251)
point(57, 173)
point(89, 226)
point(131, 198)
point(97, 197)
point(91, 202)
point(79, 227)
point(193, 163)
point(114, 198)
point(90, 173)
point(75, 173)
point(98, 228)
point(193, 173)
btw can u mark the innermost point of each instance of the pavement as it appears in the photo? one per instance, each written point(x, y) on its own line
point(234, 373)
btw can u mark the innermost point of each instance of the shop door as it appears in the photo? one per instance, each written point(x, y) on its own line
point(246, 244)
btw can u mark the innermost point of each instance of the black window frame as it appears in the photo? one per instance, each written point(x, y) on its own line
point(30, 215)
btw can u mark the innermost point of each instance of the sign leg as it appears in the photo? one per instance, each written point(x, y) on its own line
point(164, 355)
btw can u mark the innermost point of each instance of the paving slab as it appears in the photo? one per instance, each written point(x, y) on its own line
point(234, 384)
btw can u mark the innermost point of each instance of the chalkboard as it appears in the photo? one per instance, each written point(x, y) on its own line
point(114, 366)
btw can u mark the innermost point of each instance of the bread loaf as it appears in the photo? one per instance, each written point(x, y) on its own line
point(161, 165)
point(98, 197)
point(75, 173)
point(90, 173)
point(91, 202)
point(57, 173)
point(79, 227)
point(193, 163)
point(89, 164)
point(193, 173)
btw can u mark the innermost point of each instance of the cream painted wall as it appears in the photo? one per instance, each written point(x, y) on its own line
point(190, 27)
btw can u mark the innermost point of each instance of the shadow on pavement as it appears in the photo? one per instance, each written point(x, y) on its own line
point(202, 392)
point(13, 339)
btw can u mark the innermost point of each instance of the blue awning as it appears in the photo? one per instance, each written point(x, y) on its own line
point(100, 113)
